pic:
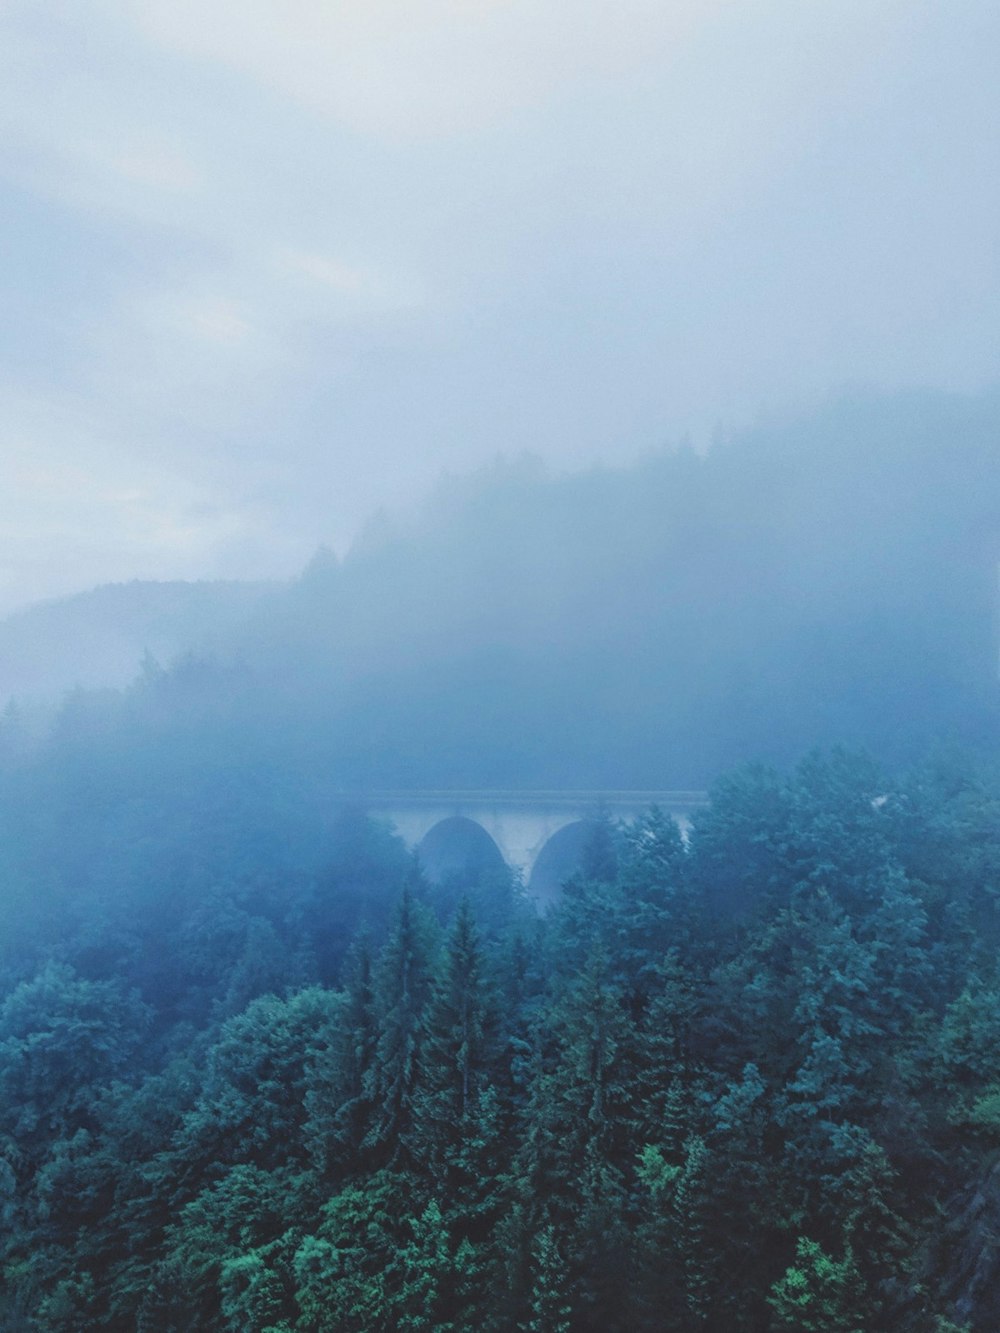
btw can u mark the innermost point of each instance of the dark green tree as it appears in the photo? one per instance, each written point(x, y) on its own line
point(402, 992)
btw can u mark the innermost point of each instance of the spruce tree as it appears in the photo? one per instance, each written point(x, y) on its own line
point(455, 1105)
point(402, 991)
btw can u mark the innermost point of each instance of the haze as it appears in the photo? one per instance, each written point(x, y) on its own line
point(272, 266)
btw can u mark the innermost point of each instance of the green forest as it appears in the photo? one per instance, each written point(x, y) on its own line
point(263, 1070)
point(743, 1080)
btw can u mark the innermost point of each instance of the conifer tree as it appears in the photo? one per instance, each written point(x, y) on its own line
point(341, 1106)
point(455, 1105)
point(401, 994)
point(422, 1278)
point(693, 1242)
point(819, 1294)
point(549, 1309)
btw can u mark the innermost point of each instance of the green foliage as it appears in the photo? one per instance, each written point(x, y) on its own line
point(818, 1294)
point(341, 1271)
point(258, 1074)
point(255, 1294)
point(549, 1311)
point(610, 1119)
point(457, 1107)
point(984, 1114)
point(61, 1038)
point(402, 991)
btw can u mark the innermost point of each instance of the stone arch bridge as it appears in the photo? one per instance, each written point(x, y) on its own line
point(535, 832)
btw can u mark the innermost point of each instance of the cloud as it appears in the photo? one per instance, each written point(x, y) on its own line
point(74, 501)
point(215, 319)
point(294, 257)
point(350, 289)
point(409, 69)
point(160, 167)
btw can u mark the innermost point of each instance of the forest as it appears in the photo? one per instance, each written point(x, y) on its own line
point(261, 1072)
point(742, 1081)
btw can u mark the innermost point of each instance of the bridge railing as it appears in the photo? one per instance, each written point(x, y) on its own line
point(501, 796)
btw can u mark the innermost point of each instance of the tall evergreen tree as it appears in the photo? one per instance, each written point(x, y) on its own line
point(341, 1104)
point(455, 1105)
point(402, 991)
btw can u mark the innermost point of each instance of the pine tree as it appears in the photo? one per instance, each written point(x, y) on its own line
point(549, 1308)
point(422, 1278)
point(455, 1106)
point(401, 994)
point(693, 1243)
point(818, 1294)
point(341, 1107)
point(577, 1141)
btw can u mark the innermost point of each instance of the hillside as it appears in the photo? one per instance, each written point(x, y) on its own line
point(824, 580)
point(831, 578)
point(98, 638)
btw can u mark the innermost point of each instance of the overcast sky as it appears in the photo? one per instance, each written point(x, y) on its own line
point(269, 265)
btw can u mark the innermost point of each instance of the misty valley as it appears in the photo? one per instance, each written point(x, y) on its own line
point(301, 1031)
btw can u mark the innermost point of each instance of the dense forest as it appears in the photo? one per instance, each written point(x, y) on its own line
point(746, 1081)
point(260, 1072)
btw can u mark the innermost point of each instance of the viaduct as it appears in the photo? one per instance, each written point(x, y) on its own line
point(539, 833)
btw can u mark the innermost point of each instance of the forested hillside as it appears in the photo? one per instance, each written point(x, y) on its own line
point(744, 1083)
point(258, 1074)
point(99, 639)
point(829, 579)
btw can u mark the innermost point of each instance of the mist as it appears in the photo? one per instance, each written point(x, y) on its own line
point(528, 800)
point(499, 667)
point(827, 579)
point(271, 270)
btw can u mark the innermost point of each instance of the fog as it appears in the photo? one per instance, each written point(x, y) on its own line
point(820, 580)
point(499, 666)
point(271, 268)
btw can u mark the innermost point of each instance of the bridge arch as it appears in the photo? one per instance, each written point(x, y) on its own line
point(456, 845)
point(520, 823)
point(559, 856)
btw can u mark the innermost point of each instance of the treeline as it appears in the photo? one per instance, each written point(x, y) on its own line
point(830, 579)
point(826, 580)
point(747, 1082)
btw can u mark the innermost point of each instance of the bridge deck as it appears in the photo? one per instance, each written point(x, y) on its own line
point(533, 798)
point(522, 823)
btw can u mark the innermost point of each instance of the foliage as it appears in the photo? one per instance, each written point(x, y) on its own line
point(747, 1082)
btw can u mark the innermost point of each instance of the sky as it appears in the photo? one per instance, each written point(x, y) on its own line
point(269, 266)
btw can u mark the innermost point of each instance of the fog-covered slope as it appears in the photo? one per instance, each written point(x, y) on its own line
point(831, 579)
point(99, 638)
